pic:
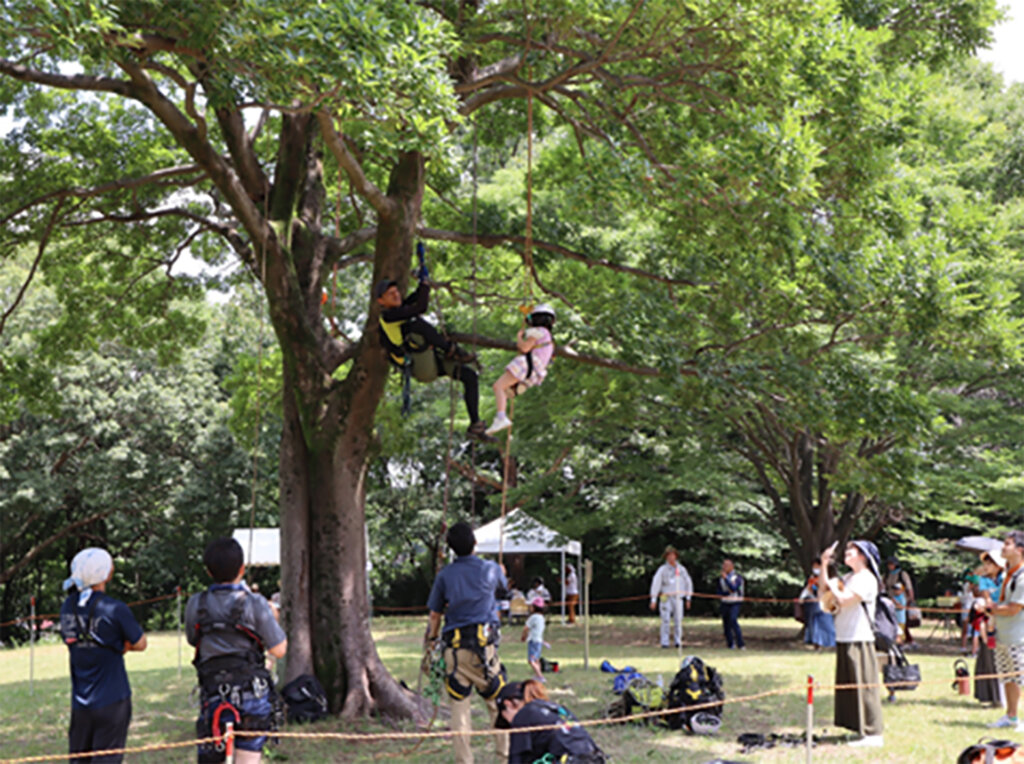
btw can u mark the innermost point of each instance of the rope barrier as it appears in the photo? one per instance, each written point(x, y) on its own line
point(365, 737)
point(112, 751)
point(413, 609)
point(45, 616)
point(640, 597)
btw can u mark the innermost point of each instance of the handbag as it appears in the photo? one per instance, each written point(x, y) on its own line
point(899, 674)
point(913, 616)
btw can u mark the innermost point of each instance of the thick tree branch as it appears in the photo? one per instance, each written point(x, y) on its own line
point(189, 137)
point(240, 146)
point(67, 81)
point(363, 185)
point(338, 248)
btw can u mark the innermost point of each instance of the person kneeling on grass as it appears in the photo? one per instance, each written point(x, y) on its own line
point(526, 704)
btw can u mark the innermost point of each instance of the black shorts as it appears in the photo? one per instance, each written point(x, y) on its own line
point(99, 729)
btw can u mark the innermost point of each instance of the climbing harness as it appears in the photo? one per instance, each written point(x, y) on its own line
point(81, 632)
point(226, 682)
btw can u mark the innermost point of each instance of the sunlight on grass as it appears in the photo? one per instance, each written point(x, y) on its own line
point(932, 723)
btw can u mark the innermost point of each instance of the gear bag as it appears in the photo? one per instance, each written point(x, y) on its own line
point(885, 626)
point(695, 685)
point(304, 699)
point(990, 751)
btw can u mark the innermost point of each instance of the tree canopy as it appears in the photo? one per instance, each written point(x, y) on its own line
point(786, 284)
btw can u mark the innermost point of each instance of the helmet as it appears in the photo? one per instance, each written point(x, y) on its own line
point(541, 315)
point(703, 723)
point(543, 308)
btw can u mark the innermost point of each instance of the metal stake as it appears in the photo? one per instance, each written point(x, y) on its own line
point(32, 646)
point(179, 630)
point(810, 716)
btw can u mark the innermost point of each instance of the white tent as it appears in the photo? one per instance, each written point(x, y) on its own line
point(266, 545)
point(522, 534)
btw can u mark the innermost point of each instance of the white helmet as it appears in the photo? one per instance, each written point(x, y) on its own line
point(703, 723)
point(543, 308)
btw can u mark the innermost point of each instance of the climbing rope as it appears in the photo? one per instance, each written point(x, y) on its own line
point(259, 388)
point(527, 280)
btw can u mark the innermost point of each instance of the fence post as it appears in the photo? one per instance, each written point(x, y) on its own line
point(32, 646)
point(179, 630)
point(588, 575)
point(229, 744)
point(810, 716)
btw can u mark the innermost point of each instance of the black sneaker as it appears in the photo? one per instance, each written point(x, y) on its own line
point(477, 431)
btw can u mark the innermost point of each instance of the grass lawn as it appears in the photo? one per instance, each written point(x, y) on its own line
point(931, 724)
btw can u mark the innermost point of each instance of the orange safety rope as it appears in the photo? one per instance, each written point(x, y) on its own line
point(368, 737)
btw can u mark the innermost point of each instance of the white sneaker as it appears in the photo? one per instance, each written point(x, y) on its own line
point(1003, 721)
point(868, 741)
point(501, 422)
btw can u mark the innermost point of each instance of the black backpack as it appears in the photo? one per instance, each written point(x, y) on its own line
point(305, 699)
point(695, 684)
point(885, 626)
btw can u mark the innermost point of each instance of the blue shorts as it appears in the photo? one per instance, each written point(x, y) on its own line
point(250, 706)
point(533, 650)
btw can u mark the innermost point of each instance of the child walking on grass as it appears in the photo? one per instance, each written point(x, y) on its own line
point(533, 636)
point(526, 370)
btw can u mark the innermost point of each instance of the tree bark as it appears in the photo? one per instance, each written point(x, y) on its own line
point(325, 449)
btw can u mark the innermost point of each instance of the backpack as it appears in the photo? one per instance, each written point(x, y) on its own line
point(305, 699)
point(695, 684)
point(885, 626)
point(989, 751)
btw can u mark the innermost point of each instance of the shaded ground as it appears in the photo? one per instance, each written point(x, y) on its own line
point(931, 723)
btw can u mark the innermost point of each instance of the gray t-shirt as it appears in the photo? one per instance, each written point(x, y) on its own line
point(220, 601)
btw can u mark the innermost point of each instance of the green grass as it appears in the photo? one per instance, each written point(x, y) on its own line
point(932, 723)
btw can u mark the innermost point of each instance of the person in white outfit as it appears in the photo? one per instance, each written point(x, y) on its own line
point(670, 587)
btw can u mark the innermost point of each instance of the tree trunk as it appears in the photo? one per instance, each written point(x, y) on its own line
point(325, 448)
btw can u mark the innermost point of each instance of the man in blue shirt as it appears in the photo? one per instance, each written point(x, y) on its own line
point(465, 593)
point(98, 630)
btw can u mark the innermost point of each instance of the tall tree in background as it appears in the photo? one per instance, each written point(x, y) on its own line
point(202, 128)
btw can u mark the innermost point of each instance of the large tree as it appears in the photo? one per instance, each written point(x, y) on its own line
point(151, 129)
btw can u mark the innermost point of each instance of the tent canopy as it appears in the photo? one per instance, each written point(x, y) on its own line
point(266, 545)
point(523, 535)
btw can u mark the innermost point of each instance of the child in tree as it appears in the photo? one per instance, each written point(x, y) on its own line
point(526, 370)
point(533, 636)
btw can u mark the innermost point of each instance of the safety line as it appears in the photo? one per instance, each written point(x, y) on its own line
point(113, 751)
point(440, 734)
point(44, 616)
point(412, 609)
point(639, 597)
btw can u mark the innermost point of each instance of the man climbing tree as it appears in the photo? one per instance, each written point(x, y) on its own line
point(420, 350)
